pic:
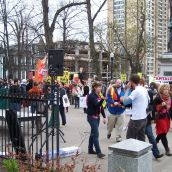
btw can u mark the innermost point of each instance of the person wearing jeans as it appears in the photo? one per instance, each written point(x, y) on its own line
point(93, 139)
point(94, 104)
point(152, 140)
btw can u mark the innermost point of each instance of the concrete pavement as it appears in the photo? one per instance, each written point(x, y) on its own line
point(77, 132)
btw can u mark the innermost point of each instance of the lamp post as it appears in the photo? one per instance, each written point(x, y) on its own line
point(111, 62)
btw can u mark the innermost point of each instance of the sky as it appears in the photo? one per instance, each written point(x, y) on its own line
point(54, 5)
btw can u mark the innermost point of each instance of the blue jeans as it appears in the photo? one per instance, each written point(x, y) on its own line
point(94, 135)
point(152, 140)
point(76, 102)
point(33, 106)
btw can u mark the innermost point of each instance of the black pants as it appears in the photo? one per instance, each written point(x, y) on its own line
point(136, 129)
point(76, 102)
point(62, 113)
point(163, 138)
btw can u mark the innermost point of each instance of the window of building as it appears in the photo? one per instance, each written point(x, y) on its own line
point(167, 73)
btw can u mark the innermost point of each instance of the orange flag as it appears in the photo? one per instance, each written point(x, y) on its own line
point(39, 75)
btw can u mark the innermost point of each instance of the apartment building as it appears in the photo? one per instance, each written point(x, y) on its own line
point(126, 16)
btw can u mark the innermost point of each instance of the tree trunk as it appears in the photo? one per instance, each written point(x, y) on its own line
point(7, 64)
point(93, 54)
point(50, 29)
point(47, 28)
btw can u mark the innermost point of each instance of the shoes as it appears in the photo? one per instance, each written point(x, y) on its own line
point(101, 155)
point(118, 139)
point(92, 152)
point(168, 153)
point(159, 156)
point(108, 136)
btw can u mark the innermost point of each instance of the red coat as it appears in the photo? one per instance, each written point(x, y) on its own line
point(163, 120)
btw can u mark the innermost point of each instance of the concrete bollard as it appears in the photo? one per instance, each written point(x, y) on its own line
point(130, 156)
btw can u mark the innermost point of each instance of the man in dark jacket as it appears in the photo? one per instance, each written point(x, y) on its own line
point(14, 103)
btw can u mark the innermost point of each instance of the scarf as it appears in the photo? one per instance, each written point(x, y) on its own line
point(167, 100)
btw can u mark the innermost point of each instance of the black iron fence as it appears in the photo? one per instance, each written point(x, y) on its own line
point(29, 127)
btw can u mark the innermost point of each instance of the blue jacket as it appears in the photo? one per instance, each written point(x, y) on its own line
point(111, 99)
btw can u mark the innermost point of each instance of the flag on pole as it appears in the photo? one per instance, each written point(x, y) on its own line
point(39, 75)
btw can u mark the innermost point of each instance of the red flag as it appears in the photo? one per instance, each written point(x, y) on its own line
point(39, 75)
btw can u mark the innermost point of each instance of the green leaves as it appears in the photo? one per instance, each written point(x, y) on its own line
point(11, 165)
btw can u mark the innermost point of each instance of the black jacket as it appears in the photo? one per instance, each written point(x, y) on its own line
point(86, 90)
point(62, 92)
point(94, 106)
point(151, 116)
point(14, 90)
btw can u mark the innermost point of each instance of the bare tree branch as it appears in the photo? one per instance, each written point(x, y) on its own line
point(63, 8)
point(95, 15)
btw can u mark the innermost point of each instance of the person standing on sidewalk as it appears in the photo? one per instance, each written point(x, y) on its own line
point(115, 109)
point(139, 98)
point(152, 91)
point(163, 106)
point(94, 108)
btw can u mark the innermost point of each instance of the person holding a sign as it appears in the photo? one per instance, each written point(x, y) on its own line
point(94, 103)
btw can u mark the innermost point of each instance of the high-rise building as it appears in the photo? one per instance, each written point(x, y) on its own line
point(126, 16)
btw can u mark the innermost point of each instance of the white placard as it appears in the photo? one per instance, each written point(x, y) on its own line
point(66, 102)
point(83, 102)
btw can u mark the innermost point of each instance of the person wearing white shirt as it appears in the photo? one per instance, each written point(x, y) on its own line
point(139, 99)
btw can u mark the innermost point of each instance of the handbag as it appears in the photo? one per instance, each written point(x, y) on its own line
point(65, 100)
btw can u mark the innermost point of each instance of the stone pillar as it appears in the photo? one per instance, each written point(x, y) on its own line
point(130, 156)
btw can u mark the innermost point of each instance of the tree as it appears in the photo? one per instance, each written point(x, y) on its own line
point(19, 25)
point(135, 43)
point(68, 19)
point(49, 28)
point(5, 36)
point(5, 13)
point(91, 20)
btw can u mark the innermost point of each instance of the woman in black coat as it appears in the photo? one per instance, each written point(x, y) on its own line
point(94, 104)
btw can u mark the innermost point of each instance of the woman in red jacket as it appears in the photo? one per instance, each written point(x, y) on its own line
point(163, 105)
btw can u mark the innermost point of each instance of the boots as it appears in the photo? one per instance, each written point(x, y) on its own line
point(168, 152)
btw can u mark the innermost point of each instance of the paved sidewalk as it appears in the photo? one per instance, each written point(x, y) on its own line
point(77, 131)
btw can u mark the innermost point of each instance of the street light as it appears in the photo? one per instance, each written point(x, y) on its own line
point(111, 61)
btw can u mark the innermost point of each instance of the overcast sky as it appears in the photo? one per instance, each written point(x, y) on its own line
point(54, 5)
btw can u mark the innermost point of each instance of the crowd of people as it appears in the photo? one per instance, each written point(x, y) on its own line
point(148, 104)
